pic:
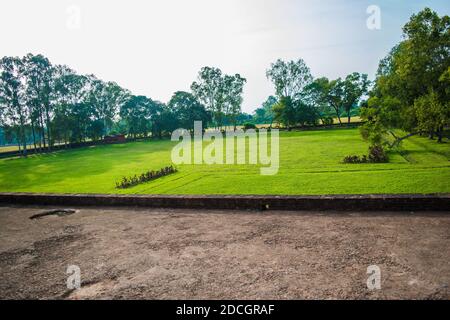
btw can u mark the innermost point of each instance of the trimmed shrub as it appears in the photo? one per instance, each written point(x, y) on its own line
point(128, 182)
point(376, 155)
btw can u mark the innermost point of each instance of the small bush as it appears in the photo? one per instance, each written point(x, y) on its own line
point(248, 126)
point(376, 155)
point(328, 121)
point(128, 182)
point(356, 159)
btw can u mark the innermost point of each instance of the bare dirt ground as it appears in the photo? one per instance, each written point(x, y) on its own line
point(183, 254)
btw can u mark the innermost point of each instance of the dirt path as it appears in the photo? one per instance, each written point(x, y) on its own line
point(182, 254)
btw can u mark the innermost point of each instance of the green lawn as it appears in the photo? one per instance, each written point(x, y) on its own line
point(310, 163)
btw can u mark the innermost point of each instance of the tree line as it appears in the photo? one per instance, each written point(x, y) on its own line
point(303, 100)
point(410, 95)
point(47, 104)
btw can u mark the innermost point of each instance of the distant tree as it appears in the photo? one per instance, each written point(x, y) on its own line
point(289, 78)
point(187, 109)
point(12, 97)
point(306, 114)
point(243, 118)
point(265, 114)
point(233, 87)
point(106, 98)
point(137, 112)
point(166, 122)
point(40, 77)
point(69, 93)
point(268, 106)
point(220, 94)
point(313, 96)
point(285, 112)
point(354, 87)
point(162, 120)
point(260, 115)
point(329, 93)
point(209, 91)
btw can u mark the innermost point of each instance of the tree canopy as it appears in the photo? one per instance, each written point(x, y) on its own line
point(411, 90)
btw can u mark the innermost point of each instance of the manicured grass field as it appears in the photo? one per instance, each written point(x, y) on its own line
point(310, 163)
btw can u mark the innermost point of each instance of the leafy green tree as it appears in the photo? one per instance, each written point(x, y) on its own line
point(314, 96)
point(12, 97)
point(137, 112)
point(268, 106)
point(162, 120)
point(306, 114)
point(285, 112)
point(233, 87)
point(187, 109)
point(432, 114)
point(289, 78)
point(265, 114)
point(40, 76)
point(208, 90)
point(331, 93)
point(106, 98)
point(354, 87)
point(411, 91)
point(220, 94)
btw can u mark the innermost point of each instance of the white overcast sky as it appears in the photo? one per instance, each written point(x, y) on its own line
point(155, 48)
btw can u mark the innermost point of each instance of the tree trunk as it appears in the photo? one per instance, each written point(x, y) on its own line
point(439, 134)
point(49, 140)
point(42, 130)
point(23, 133)
point(34, 136)
point(337, 114)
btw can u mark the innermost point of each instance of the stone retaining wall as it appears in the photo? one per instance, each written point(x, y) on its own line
point(328, 202)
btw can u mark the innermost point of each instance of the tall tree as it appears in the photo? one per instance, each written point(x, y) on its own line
point(208, 90)
point(233, 88)
point(268, 108)
point(137, 113)
point(329, 93)
point(106, 98)
point(12, 97)
point(355, 86)
point(40, 85)
point(289, 78)
point(410, 84)
point(187, 109)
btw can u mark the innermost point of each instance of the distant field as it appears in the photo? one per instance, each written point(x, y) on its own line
point(10, 148)
point(310, 163)
point(16, 148)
